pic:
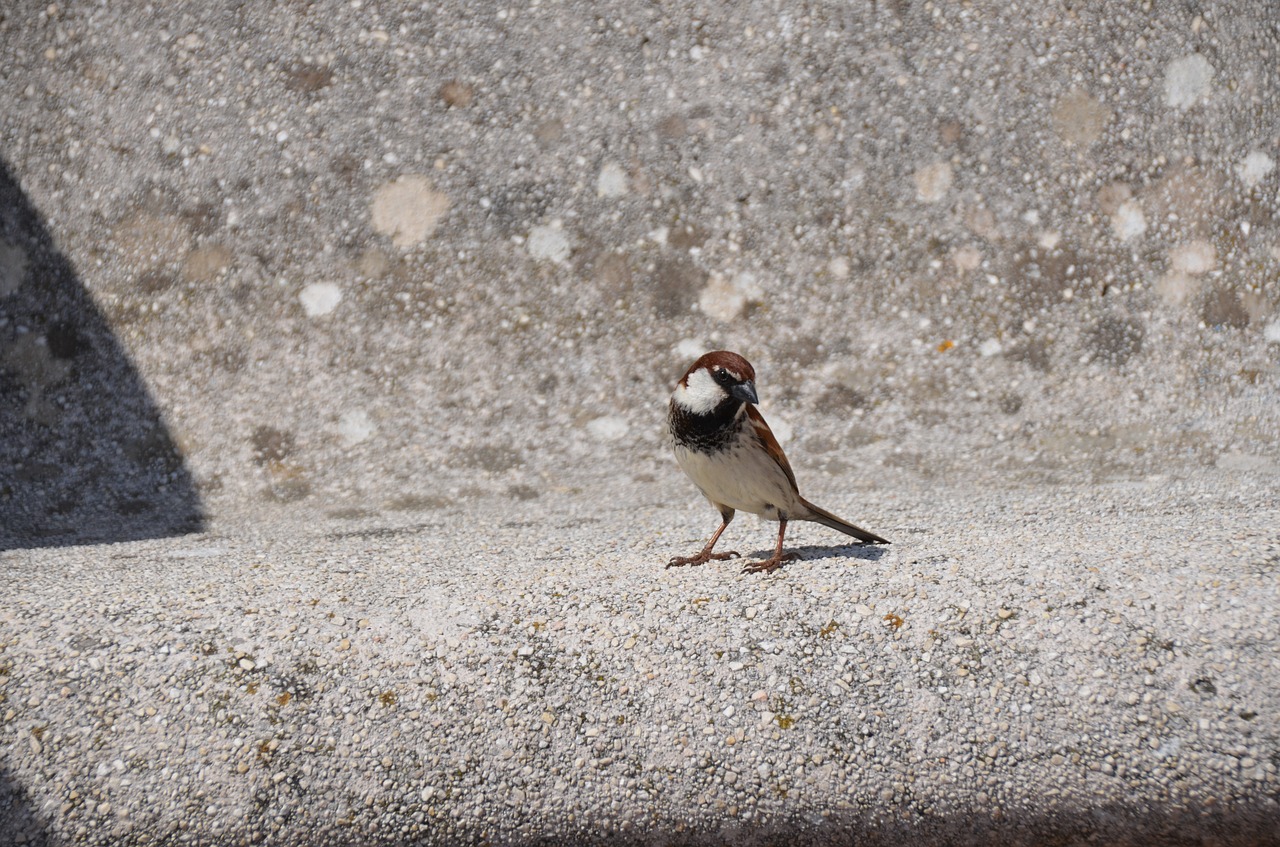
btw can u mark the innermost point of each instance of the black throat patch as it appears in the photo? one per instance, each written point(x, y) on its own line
point(712, 432)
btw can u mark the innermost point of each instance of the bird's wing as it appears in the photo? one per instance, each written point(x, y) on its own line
point(771, 445)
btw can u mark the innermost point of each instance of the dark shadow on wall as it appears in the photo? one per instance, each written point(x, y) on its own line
point(84, 454)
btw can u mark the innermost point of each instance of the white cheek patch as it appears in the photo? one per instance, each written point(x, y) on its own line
point(701, 395)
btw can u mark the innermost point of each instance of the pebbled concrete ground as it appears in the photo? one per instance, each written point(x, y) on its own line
point(1024, 664)
point(382, 302)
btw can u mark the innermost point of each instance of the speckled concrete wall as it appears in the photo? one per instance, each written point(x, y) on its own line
point(369, 257)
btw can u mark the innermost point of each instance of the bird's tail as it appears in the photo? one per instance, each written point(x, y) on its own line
point(822, 516)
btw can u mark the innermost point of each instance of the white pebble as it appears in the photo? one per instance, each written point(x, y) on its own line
point(690, 348)
point(1186, 80)
point(933, 182)
point(612, 181)
point(320, 298)
point(407, 210)
point(1254, 168)
point(608, 428)
point(726, 300)
point(1128, 221)
point(549, 243)
point(355, 426)
point(1195, 257)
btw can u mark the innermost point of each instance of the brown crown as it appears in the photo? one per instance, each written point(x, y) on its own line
point(731, 362)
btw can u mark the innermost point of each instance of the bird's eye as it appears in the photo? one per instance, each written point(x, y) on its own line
point(722, 376)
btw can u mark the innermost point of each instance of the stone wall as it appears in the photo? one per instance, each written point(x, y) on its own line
point(368, 257)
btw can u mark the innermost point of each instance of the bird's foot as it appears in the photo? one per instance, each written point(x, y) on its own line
point(769, 565)
point(701, 559)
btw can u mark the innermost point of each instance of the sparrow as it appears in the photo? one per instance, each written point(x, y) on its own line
point(723, 443)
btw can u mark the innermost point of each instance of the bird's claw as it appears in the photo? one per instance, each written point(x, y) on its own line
point(769, 565)
point(701, 559)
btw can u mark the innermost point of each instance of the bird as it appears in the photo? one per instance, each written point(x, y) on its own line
point(724, 445)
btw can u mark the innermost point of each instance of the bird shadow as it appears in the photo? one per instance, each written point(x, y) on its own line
point(864, 552)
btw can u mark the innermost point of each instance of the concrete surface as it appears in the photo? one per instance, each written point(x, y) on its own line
point(377, 306)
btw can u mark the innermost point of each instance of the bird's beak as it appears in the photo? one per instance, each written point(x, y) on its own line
point(746, 392)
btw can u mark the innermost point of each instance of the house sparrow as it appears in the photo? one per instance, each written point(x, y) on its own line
point(722, 442)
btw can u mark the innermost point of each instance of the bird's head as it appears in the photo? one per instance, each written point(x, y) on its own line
point(716, 378)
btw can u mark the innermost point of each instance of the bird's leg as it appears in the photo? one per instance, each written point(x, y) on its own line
point(706, 555)
point(772, 564)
